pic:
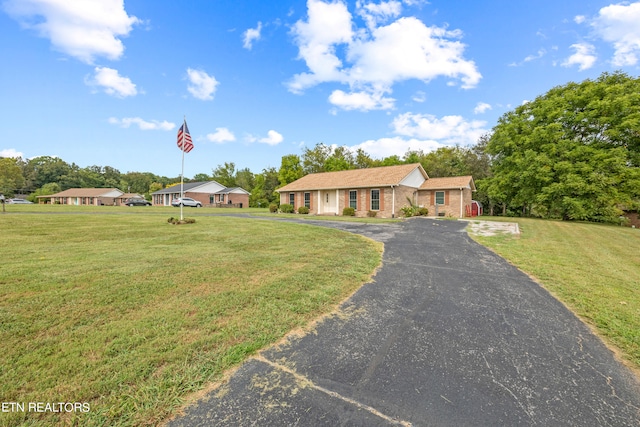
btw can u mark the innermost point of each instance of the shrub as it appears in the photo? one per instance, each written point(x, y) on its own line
point(423, 211)
point(273, 208)
point(176, 221)
point(407, 211)
point(348, 211)
point(372, 214)
point(286, 208)
point(303, 210)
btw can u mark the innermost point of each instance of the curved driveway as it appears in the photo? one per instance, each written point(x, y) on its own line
point(447, 334)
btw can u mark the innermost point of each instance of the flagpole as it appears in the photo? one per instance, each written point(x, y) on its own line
point(184, 124)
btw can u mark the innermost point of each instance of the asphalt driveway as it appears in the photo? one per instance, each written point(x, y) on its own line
point(447, 334)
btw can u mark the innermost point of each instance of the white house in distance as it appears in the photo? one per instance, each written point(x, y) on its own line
point(209, 193)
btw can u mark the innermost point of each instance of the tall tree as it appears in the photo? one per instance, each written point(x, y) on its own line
point(290, 169)
point(314, 159)
point(11, 178)
point(225, 174)
point(572, 153)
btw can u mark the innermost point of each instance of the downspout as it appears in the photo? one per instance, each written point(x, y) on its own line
point(337, 202)
point(393, 202)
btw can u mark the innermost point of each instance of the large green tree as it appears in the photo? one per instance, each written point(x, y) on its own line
point(290, 169)
point(572, 153)
point(11, 178)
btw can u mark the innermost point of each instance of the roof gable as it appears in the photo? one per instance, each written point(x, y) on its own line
point(208, 187)
point(449, 183)
point(385, 176)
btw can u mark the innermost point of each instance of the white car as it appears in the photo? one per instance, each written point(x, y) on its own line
point(186, 201)
point(19, 201)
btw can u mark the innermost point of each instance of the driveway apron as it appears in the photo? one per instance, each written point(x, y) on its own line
point(447, 334)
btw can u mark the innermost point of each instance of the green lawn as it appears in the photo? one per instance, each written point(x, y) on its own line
point(594, 269)
point(132, 314)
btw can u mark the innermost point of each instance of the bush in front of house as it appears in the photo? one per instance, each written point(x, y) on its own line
point(348, 211)
point(423, 211)
point(286, 208)
point(407, 211)
point(273, 208)
point(303, 210)
point(372, 214)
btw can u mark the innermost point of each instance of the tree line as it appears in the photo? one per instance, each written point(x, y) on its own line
point(572, 153)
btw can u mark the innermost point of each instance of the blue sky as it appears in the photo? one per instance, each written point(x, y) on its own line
point(108, 83)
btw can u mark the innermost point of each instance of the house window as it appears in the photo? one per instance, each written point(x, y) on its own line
point(221, 198)
point(375, 200)
point(307, 200)
point(353, 199)
point(292, 199)
point(439, 197)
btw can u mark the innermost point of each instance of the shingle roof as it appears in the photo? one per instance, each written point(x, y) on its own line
point(233, 190)
point(449, 183)
point(358, 178)
point(176, 188)
point(84, 192)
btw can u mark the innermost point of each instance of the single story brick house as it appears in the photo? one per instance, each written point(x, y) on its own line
point(209, 193)
point(88, 196)
point(384, 190)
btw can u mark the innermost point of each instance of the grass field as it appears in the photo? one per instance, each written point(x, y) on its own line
point(594, 269)
point(119, 309)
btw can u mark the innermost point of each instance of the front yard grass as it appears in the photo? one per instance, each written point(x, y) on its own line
point(594, 269)
point(131, 314)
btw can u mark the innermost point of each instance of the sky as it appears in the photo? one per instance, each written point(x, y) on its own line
point(108, 83)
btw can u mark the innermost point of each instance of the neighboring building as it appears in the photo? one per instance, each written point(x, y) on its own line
point(209, 193)
point(88, 196)
point(384, 190)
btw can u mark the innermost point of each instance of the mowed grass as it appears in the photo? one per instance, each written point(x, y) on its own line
point(594, 269)
point(132, 314)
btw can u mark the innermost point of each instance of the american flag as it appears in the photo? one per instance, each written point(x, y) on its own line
point(184, 139)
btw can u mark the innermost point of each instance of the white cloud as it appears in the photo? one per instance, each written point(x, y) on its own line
point(376, 13)
point(328, 25)
point(424, 132)
point(618, 24)
point(481, 107)
point(376, 57)
point(126, 122)
point(82, 29)
point(529, 58)
point(221, 135)
point(251, 35)
point(584, 56)
point(447, 130)
point(112, 82)
point(420, 97)
point(362, 101)
point(579, 19)
point(273, 138)
point(11, 152)
point(385, 147)
point(202, 86)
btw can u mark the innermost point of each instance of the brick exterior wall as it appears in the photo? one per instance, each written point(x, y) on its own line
point(451, 205)
point(363, 200)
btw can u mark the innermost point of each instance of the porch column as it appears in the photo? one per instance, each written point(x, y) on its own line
point(337, 202)
point(461, 203)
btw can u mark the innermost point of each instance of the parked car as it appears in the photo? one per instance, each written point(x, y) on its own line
point(137, 201)
point(19, 201)
point(186, 201)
